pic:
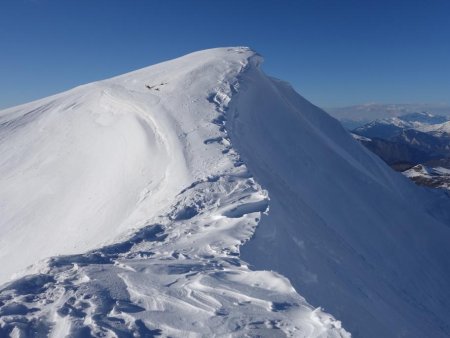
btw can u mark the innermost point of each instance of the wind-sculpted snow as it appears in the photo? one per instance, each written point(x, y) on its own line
point(168, 279)
point(150, 192)
point(138, 172)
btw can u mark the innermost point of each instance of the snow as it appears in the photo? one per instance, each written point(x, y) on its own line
point(418, 171)
point(199, 197)
point(133, 188)
point(442, 171)
point(360, 138)
point(351, 235)
point(437, 177)
point(439, 128)
point(437, 125)
point(374, 111)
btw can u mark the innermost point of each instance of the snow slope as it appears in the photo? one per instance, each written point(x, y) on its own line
point(348, 232)
point(132, 186)
point(147, 186)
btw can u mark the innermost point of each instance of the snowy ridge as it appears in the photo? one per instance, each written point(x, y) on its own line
point(151, 193)
point(145, 154)
point(369, 246)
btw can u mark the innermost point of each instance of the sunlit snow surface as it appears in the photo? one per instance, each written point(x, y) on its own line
point(139, 173)
point(167, 196)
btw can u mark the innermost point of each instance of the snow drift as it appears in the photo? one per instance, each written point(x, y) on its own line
point(143, 188)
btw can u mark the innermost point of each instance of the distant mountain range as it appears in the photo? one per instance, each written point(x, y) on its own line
point(354, 116)
point(417, 144)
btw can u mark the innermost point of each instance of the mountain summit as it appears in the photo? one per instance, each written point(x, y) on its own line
point(200, 197)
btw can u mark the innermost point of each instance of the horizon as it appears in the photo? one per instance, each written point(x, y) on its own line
point(335, 55)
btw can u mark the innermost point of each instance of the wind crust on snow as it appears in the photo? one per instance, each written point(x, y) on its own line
point(180, 190)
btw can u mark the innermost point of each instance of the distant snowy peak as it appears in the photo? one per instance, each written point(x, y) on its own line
point(413, 120)
point(424, 118)
point(440, 129)
point(374, 111)
point(394, 126)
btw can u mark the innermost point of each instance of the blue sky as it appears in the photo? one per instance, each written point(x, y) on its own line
point(334, 52)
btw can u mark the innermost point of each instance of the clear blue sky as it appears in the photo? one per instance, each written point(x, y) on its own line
point(334, 52)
